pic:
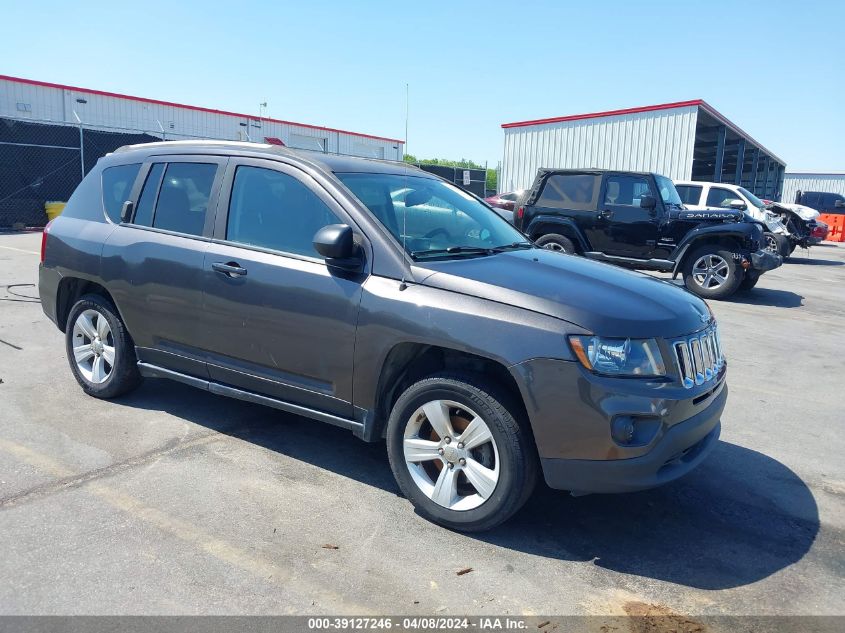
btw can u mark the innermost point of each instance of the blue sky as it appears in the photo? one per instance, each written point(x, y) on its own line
point(777, 69)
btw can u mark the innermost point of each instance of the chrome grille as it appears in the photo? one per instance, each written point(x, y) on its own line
point(699, 357)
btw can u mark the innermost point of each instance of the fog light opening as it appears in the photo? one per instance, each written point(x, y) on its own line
point(622, 430)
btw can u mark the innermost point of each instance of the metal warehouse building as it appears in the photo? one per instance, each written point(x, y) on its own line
point(52, 134)
point(686, 140)
point(41, 101)
point(828, 182)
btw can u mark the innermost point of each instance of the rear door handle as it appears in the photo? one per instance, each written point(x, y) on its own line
point(230, 269)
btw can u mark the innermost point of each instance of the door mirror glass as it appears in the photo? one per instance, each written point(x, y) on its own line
point(336, 243)
point(737, 204)
point(648, 202)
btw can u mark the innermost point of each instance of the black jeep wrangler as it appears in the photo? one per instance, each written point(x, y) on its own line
point(637, 220)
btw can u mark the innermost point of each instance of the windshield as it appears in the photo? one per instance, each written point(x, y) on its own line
point(434, 217)
point(667, 190)
point(751, 198)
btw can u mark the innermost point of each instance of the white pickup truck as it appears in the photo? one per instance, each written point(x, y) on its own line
point(699, 195)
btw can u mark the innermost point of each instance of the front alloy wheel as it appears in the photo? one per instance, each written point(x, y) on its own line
point(451, 455)
point(458, 453)
point(710, 271)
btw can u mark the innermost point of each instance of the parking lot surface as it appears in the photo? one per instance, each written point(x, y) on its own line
point(177, 501)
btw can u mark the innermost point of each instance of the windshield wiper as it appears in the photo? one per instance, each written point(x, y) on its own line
point(512, 246)
point(454, 250)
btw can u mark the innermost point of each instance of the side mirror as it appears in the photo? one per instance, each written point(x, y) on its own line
point(335, 242)
point(126, 211)
point(648, 202)
point(737, 204)
point(839, 204)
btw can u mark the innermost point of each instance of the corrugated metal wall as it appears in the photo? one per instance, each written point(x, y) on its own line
point(660, 141)
point(829, 183)
point(29, 101)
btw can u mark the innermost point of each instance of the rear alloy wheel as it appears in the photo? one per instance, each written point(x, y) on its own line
point(100, 351)
point(558, 243)
point(458, 454)
point(712, 273)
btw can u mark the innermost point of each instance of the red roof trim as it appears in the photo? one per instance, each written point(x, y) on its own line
point(596, 115)
point(652, 108)
point(47, 84)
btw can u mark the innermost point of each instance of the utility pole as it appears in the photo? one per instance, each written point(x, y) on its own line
point(406, 119)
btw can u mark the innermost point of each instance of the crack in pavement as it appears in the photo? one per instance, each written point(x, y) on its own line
point(68, 479)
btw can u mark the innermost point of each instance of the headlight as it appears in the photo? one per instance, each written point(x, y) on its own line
point(619, 356)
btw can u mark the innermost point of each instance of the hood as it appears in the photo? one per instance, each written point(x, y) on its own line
point(803, 212)
point(604, 299)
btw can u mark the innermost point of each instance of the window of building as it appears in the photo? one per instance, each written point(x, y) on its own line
point(274, 210)
point(117, 185)
point(301, 141)
point(368, 151)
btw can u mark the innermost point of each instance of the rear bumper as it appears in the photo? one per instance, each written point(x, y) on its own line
point(764, 260)
point(682, 447)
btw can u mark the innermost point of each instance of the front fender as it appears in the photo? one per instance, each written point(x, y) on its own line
point(740, 231)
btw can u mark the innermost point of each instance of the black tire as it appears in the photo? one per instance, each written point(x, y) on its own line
point(792, 247)
point(123, 376)
point(517, 457)
point(777, 243)
point(555, 242)
point(749, 281)
point(733, 276)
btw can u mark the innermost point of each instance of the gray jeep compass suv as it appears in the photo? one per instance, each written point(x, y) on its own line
point(384, 300)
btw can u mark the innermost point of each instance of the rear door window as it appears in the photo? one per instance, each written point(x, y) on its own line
point(690, 194)
point(175, 197)
point(183, 197)
point(147, 202)
point(579, 192)
point(117, 185)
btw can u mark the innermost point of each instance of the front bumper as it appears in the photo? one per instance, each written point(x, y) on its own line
point(572, 414)
point(682, 448)
point(765, 260)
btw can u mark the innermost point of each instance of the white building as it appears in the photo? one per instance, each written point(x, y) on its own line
point(828, 182)
point(39, 101)
point(686, 140)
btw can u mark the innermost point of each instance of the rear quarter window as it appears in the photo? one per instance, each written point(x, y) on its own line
point(570, 191)
point(117, 185)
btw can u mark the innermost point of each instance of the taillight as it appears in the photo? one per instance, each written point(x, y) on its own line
point(44, 240)
point(520, 212)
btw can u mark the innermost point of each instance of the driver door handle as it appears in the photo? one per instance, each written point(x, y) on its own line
point(230, 269)
point(606, 215)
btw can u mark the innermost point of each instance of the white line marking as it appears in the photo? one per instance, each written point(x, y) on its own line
point(20, 250)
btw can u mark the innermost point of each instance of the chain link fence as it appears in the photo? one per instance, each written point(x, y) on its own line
point(44, 161)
